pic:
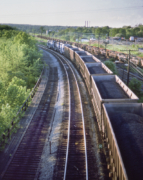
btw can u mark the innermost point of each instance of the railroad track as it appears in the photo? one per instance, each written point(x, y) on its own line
point(123, 75)
point(75, 165)
point(26, 158)
point(81, 161)
point(75, 160)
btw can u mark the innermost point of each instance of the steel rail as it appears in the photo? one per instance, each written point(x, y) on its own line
point(82, 122)
point(66, 162)
point(69, 115)
point(28, 124)
point(86, 161)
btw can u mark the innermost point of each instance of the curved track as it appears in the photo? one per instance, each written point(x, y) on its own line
point(72, 154)
point(75, 164)
point(26, 158)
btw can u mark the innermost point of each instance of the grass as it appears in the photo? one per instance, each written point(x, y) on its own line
point(119, 48)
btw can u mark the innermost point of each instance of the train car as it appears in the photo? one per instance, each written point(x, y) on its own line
point(67, 50)
point(86, 59)
point(116, 110)
point(72, 52)
point(62, 48)
point(50, 44)
point(82, 57)
point(124, 135)
point(109, 89)
point(93, 69)
point(57, 46)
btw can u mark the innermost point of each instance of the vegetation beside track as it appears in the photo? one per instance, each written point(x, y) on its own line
point(119, 48)
point(20, 67)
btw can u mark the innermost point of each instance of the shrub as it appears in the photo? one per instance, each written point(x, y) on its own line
point(112, 59)
point(135, 86)
point(111, 66)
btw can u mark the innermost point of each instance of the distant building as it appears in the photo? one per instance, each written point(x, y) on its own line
point(136, 38)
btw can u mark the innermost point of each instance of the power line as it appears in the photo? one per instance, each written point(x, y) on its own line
point(128, 64)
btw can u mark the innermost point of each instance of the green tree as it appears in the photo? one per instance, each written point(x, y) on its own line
point(113, 32)
point(42, 30)
point(119, 35)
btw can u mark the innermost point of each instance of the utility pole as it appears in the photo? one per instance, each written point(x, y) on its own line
point(98, 40)
point(105, 49)
point(78, 37)
point(128, 64)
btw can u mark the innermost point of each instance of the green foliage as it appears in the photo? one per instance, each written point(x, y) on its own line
point(112, 59)
point(42, 29)
point(18, 82)
point(135, 86)
point(6, 27)
point(23, 38)
point(119, 35)
point(20, 67)
point(102, 30)
point(6, 116)
point(16, 95)
point(111, 66)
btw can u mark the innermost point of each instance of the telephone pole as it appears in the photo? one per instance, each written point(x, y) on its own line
point(128, 64)
point(105, 48)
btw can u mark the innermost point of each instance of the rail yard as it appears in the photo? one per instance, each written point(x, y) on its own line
point(85, 123)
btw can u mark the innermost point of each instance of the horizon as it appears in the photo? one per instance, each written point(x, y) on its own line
point(66, 13)
point(65, 25)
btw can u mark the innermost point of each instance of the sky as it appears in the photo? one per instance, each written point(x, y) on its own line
point(113, 13)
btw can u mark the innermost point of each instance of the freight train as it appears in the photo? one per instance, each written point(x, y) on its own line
point(104, 52)
point(119, 116)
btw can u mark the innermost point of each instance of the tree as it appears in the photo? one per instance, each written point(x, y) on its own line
point(119, 35)
point(122, 31)
point(42, 30)
point(33, 30)
point(114, 31)
point(98, 31)
point(105, 30)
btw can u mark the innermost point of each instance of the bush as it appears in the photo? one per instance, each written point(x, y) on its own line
point(112, 59)
point(111, 66)
point(135, 86)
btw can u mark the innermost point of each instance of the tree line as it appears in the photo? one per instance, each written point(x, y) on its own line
point(20, 67)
